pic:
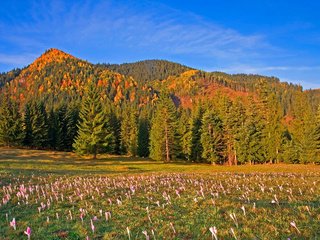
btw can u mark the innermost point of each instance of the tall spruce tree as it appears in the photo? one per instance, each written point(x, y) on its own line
point(317, 137)
point(234, 124)
point(163, 130)
point(93, 133)
point(270, 110)
point(194, 148)
point(72, 118)
point(212, 138)
point(52, 129)
point(184, 134)
point(11, 124)
point(129, 132)
point(249, 137)
point(36, 125)
point(143, 137)
point(62, 128)
point(27, 141)
point(303, 127)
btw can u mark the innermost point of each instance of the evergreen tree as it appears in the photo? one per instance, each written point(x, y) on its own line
point(143, 138)
point(36, 126)
point(234, 129)
point(11, 131)
point(184, 133)
point(27, 141)
point(115, 129)
point(303, 129)
point(271, 115)
point(249, 137)
point(129, 132)
point(40, 126)
point(212, 140)
point(289, 150)
point(163, 130)
point(62, 128)
point(194, 147)
point(317, 136)
point(52, 129)
point(71, 118)
point(93, 134)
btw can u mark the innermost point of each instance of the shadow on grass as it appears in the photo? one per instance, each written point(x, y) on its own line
point(12, 155)
point(24, 161)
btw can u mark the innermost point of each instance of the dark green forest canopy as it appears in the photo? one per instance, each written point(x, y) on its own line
point(148, 70)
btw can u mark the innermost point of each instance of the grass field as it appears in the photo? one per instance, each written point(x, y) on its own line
point(61, 196)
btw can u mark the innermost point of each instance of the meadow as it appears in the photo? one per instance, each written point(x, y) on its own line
point(56, 195)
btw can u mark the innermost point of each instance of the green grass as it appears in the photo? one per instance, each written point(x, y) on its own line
point(175, 200)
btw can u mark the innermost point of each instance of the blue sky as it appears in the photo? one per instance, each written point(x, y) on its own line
point(276, 38)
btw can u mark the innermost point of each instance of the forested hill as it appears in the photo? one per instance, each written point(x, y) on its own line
point(159, 109)
point(57, 77)
point(148, 70)
point(6, 77)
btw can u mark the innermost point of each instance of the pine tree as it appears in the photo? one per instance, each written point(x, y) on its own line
point(163, 130)
point(303, 127)
point(289, 152)
point(194, 147)
point(93, 134)
point(234, 124)
point(212, 140)
point(184, 135)
point(71, 118)
point(254, 148)
point(115, 129)
point(129, 132)
point(317, 136)
point(11, 124)
point(36, 125)
point(27, 141)
point(249, 138)
point(62, 128)
point(270, 110)
point(52, 129)
point(143, 138)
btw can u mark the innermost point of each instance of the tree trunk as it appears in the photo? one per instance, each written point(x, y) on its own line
point(95, 153)
point(235, 158)
point(167, 145)
point(230, 156)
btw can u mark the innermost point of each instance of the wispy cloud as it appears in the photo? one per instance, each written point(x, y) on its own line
point(145, 29)
point(157, 28)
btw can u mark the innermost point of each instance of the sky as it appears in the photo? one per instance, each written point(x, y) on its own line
point(269, 37)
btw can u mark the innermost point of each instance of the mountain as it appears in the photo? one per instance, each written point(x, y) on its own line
point(57, 77)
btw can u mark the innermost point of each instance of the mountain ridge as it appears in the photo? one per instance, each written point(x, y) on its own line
point(56, 73)
point(57, 55)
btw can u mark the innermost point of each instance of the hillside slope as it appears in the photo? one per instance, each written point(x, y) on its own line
point(57, 76)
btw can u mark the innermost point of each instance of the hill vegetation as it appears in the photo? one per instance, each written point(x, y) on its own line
point(160, 109)
point(148, 70)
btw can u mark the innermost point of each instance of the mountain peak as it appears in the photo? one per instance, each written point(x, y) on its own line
point(51, 55)
point(56, 52)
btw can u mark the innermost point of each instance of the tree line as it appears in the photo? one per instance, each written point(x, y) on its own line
point(216, 131)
